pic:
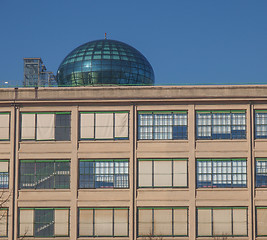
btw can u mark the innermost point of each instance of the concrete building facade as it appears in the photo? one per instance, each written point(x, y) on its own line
point(183, 162)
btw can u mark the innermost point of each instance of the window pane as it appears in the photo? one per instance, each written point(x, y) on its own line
point(222, 222)
point(221, 173)
point(163, 222)
point(28, 126)
point(62, 127)
point(4, 174)
point(4, 126)
point(162, 126)
point(103, 174)
point(145, 222)
point(204, 226)
point(162, 173)
point(261, 221)
point(45, 174)
point(215, 125)
point(45, 127)
point(260, 125)
point(44, 223)
point(103, 222)
point(261, 173)
point(104, 125)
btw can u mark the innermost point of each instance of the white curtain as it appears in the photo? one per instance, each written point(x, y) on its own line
point(4, 126)
point(45, 126)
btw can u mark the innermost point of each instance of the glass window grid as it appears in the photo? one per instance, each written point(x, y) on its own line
point(216, 173)
point(113, 210)
point(261, 172)
point(44, 218)
point(153, 173)
point(104, 173)
point(220, 125)
point(162, 125)
point(152, 233)
point(212, 224)
point(260, 124)
point(66, 126)
point(4, 177)
point(7, 139)
point(44, 223)
point(44, 174)
point(114, 126)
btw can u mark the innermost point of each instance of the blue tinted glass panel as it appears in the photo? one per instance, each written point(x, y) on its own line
point(157, 126)
point(261, 173)
point(216, 173)
point(103, 174)
point(212, 125)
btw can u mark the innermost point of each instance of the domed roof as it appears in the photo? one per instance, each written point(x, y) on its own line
point(105, 62)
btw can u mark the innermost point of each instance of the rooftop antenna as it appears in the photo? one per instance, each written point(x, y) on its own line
point(105, 35)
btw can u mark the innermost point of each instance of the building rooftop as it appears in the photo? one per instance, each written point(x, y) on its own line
point(135, 93)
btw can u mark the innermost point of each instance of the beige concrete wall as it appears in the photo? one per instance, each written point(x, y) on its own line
point(133, 99)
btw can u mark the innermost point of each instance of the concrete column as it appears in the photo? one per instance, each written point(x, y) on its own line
point(74, 173)
point(191, 173)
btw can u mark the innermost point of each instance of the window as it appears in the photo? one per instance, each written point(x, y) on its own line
point(222, 222)
point(44, 222)
point(159, 173)
point(261, 221)
point(4, 126)
point(104, 125)
point(104, 173)
point(260, 124)
point(162, 221)
point(261, 172)
point(221, 124)
point(45, 126)
point(44, 174)
point(221, 173)
point(103, 222)
point(4, 175)
point(162, 125)
point(3, 222)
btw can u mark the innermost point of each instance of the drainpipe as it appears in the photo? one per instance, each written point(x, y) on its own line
point(14, 171)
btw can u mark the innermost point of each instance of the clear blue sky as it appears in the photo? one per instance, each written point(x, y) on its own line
point(186, 41)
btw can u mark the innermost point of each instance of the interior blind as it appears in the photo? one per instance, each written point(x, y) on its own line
point(179, 173)
point(103, 222)
point(204, 222)
point(3, 222)
point(144, 222)
point(28, 126)
point(86, 222)
point(261, 221)
point(26, 222)
point(121, 125)
point(145, 173)
point(121, 222)
point(180, 222)
point(222, 222)
point(162, 173)
point(87, 125)
point(239, 221)
point(104, 125)
point(162, 222)
point(45, 127)
point(3, 167)
point(61, 222)
point(4, 126)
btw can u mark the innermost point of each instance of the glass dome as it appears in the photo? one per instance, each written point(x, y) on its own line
point(105, 62)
